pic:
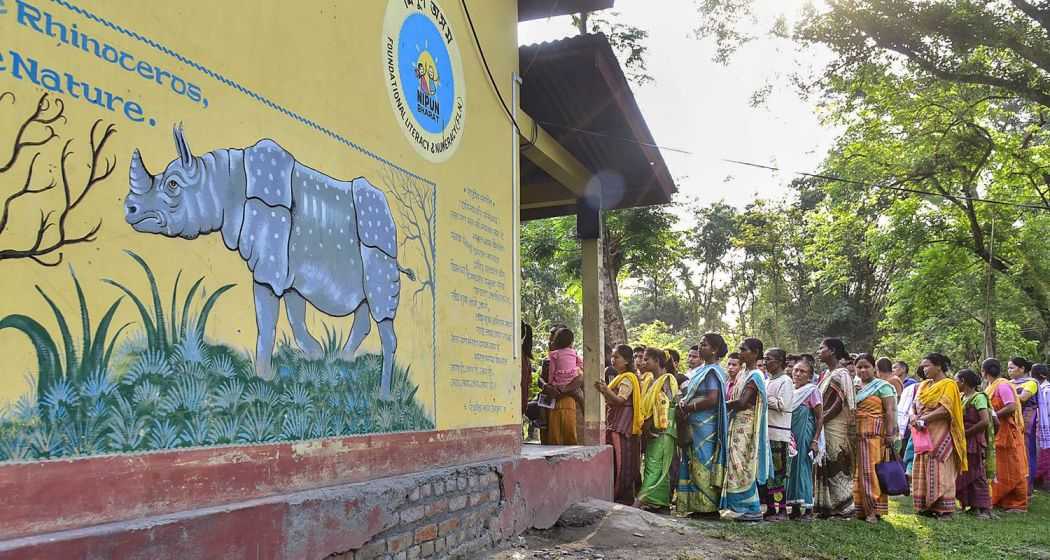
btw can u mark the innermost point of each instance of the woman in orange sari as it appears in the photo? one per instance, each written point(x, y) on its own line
point(937, 419)
point(876, 431)
point(1010, 488)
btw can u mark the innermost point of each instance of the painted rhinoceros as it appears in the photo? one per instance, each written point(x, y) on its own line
point(306, 237)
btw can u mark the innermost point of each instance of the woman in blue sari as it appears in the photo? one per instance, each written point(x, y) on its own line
point(706, 424)
point(748, 458)
point(807, 422)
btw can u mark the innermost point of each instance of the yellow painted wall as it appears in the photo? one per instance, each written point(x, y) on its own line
point(323, 61)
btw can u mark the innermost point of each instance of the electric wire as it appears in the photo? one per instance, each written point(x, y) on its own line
point(823, 176)
point(838, 179)
point(492, 80)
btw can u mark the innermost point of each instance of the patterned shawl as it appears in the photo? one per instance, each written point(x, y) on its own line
point(1044, 415)
point(993, 387)
point(845, 383)
point(636, 398)
point(946, 393)
point(871, 388)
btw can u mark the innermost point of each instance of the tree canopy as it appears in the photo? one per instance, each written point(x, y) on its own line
point(924, 228)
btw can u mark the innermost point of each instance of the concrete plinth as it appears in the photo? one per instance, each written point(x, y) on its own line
point(439, 513)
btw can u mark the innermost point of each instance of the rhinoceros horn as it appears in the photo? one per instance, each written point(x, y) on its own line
point(141, 180)
point(182, 147)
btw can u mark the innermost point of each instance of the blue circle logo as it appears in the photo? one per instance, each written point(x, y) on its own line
point(424, 77)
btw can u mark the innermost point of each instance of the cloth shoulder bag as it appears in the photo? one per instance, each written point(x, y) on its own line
point(891, 476)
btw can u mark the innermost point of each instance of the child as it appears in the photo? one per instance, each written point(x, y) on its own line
point(565, 363)
point(564, 360)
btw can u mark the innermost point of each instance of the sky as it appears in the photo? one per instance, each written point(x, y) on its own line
point(703, 107)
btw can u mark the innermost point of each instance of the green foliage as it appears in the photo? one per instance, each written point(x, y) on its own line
point(171, 388)
point(158, 334)
point(550, 260)
point(67, 367)
point(657, 334)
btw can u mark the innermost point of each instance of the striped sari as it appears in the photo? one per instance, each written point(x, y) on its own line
point(1029, 411)
point(702, 471)
point(934, 472)
point(1010, 488)
point(1042, 471)
point(748, 462)
point(971, 488)
point(871, 449)
point(622, 429)
point(833, 486)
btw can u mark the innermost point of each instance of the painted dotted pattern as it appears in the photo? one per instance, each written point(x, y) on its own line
point(268, 168)
point(374, 221)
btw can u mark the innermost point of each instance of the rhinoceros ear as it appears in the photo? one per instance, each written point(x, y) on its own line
point(182, 147)
point(140, 179)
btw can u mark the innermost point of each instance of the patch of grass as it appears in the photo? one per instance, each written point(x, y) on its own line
point(901, 535)
point(168, 387)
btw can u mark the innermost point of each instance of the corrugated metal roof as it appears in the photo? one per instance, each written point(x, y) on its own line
point(576, 90)
point(538, 9)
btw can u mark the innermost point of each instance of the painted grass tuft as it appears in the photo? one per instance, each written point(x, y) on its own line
point(167, 387)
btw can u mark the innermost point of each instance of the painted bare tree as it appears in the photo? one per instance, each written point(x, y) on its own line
point(34, 132)
point(417, 208)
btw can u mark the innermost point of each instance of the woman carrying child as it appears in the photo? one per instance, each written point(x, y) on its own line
point(564, 384)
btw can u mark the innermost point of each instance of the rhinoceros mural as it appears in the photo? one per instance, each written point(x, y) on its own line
point(307, 238)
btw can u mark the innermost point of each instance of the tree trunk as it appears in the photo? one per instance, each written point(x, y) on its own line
point(990, 341)
point(612, 315)
point(581, 22)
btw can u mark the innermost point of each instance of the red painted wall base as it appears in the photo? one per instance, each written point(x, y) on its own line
point(47, 496)
point(455, 510)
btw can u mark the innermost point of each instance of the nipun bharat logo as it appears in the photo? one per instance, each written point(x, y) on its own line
point(424, 76)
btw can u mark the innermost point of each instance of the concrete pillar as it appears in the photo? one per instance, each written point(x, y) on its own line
point(593, 342)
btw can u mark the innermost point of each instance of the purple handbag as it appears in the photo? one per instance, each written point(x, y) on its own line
point(891, 476)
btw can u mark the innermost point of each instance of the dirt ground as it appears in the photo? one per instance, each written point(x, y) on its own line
point(598, 530)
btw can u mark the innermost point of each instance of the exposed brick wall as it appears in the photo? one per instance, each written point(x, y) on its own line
point(448, 513)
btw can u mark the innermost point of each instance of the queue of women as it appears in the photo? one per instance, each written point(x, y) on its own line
point(772, 436)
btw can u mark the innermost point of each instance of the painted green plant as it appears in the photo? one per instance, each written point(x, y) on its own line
point(166, 386)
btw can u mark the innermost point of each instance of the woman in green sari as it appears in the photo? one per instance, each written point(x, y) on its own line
point(703, 409)
point(658, 406)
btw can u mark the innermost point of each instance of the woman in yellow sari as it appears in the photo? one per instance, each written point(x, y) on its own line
point(623, 424)
point(876, 432)
point(938, 419)
point(658, 404)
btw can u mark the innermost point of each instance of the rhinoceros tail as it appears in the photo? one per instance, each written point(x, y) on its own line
point(407, 272)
